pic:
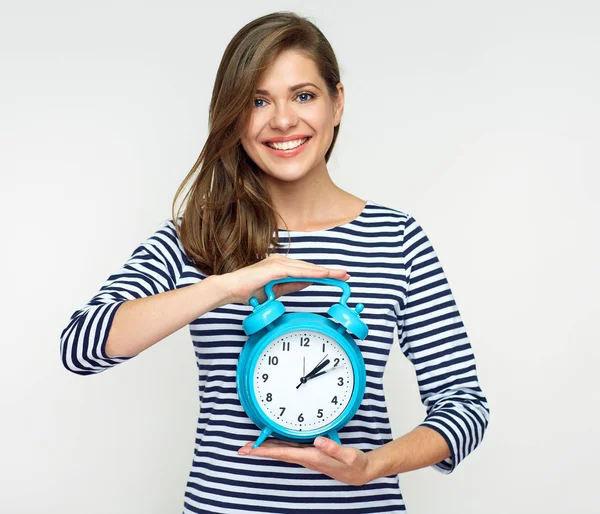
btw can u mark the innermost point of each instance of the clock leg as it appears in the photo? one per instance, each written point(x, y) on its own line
point(266, 432)
point(333, 435)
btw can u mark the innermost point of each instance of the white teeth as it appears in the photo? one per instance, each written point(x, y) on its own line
point(288, 145)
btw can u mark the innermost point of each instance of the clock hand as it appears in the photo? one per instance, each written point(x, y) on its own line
point(317, 369)
point(314, 371)
point(325, 371)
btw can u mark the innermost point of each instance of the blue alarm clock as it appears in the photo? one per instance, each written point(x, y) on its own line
point(301, 375)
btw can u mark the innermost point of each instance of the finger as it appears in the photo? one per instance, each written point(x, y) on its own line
point(289, 261)
point(310, 266)
point(274, 442)
point(277, 443)
point(303, 456)
point(284, 444)
point(335, 450)
point(289, 287)
point(291, 270)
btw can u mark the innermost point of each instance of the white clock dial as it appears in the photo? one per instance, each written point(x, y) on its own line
point(287, 392)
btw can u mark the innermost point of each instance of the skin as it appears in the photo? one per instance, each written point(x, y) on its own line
point(307, 199)
point(301, 188)
point(419, 448)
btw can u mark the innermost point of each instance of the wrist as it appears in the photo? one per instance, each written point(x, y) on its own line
point(222, 289)
point(383, 460)
point(372, 470)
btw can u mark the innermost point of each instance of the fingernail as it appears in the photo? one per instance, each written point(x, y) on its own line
point(244, 450)
point(319, 442)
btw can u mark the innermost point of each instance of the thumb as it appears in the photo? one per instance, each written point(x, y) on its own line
point(329, 447)
point(288, 287)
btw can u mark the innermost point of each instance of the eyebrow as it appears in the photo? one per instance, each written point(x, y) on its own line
point(291, 88)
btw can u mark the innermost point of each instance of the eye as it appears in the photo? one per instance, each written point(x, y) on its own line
point(307, 94)
point(299, 95)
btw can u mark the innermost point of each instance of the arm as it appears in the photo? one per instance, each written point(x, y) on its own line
point(420, 448)
point(433, 337)
point(141, 323)
point(136, 307)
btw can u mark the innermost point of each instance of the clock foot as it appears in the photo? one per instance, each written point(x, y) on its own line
point(333, 435)
point(266, 432)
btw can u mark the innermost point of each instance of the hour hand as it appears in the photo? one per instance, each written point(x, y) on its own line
point(326, 371)
point(313, 372)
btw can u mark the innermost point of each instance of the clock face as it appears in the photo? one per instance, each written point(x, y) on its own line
point(303, 380)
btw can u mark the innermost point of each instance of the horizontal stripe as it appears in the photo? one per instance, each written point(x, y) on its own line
point(397, 276)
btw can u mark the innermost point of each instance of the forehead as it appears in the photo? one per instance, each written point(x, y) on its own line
point(289, 67)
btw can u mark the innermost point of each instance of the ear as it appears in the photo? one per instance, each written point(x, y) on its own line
point(339, 105)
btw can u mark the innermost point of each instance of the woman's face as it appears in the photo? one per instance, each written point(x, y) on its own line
point(292, 100)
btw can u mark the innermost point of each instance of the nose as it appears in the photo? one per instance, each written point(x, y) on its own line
point(283, 117)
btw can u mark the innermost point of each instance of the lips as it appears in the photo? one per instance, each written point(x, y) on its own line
point(283, 139)
point(285, 152)
point(287, 145)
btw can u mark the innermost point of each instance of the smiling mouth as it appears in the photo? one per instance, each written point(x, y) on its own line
point(288, 145)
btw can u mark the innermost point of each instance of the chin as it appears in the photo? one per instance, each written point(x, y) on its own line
point(286, 177)
point(292, 175)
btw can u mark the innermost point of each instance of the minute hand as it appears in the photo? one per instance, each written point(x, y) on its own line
point(326, 371)
point(317, 369)
point(312, 373)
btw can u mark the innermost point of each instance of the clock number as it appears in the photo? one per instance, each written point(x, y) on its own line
point(273, 360)
point(340, 381)
point(269, 397)
point(323, 347)
point(336, 361)
point(265, 377)
point(320, 413)
point(286, 346)
point(304, 341)
point(300, 418)
point(282, 410)
point(334, 400)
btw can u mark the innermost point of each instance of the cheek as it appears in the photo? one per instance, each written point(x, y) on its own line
point(250, 136)
point(249, 143)
point(245, 145)
point(321, 121)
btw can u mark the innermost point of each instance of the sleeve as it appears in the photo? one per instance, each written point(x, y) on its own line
point(154, 267)
point(433, 337)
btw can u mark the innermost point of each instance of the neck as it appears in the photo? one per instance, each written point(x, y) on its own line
point(308, 201)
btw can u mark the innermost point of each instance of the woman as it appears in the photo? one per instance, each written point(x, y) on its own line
point(263, 207)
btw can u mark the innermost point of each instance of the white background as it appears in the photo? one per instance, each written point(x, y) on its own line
point(479, 118)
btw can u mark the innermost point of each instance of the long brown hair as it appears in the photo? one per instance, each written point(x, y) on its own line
point(229, 221)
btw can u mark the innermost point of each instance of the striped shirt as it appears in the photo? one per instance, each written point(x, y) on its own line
point(395, 273)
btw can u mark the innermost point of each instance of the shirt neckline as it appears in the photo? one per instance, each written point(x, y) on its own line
point(348, 223)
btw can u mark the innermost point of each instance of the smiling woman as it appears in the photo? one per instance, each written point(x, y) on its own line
point(290, 103)
point(274, 117)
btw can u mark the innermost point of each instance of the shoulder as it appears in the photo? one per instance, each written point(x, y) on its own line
point(388, 216)
point(167, 228)
point(169, 225)
point(165, 239)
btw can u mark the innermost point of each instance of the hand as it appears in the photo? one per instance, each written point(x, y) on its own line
point(243, 284)
point(343, 463)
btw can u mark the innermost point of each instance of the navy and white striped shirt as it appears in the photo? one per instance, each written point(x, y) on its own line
point(395, 273)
